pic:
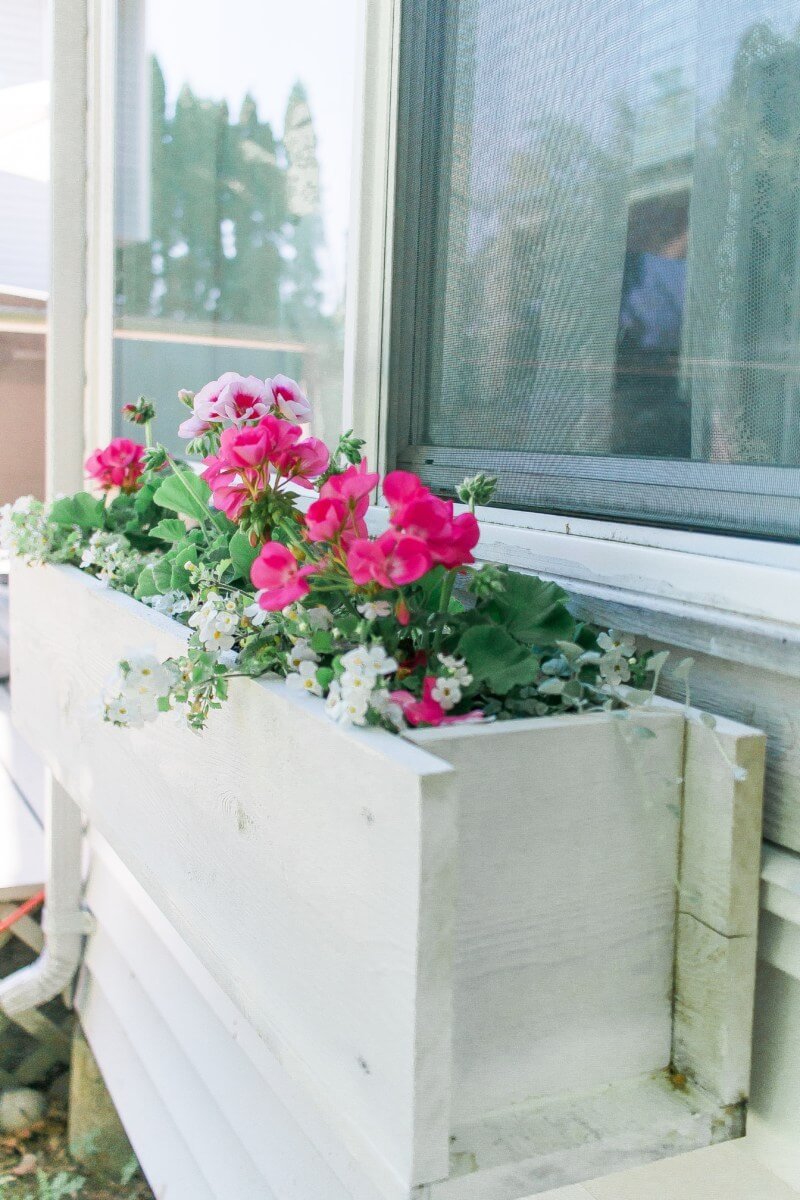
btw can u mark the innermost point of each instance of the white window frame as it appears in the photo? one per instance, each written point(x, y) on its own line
point(706, 590)
point(738, 585)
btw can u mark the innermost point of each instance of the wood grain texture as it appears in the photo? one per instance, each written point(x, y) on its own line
point(563, 973)
point(714, 983)
point(302, 899)
point(722, 822)
point(535, 1148)
point(435, 948)
point(749, 674)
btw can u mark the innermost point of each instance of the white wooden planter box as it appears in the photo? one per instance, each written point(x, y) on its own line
point(496, 959)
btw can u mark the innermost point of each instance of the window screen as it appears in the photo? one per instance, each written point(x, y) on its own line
point(606, 273)
point(233, 172)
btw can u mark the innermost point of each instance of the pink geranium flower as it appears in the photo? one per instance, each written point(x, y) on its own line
point(119, 464)
point(428, 711)
point(232, 397)
point(242, 399)
point(249, 454)
point(303, 461)
point(288, 399)
point(325, 519)
point(391, 560)
point(417, 512)
point(279, 577)
point(338, 515)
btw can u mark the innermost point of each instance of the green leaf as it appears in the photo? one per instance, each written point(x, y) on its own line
point(322, 642)
point(188, 494)
point(497, 659)
point(146, 585)
point(242, 554)
point(171, 529)
point(180, 578)
point(162, 575)
point(533, 611)
point(81, 509)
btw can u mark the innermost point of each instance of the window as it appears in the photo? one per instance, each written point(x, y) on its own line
point(604, 274)
point(232, 196)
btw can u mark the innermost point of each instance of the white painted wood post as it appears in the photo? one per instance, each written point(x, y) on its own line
point(64, 452)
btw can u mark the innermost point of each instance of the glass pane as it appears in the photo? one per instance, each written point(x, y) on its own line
point(232, 196)
point(617, 256)
point(24, 246)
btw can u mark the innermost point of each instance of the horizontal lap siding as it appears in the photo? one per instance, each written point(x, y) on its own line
point(227, 1127)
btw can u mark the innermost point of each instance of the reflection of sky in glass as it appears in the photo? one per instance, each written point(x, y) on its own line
point(264, 47)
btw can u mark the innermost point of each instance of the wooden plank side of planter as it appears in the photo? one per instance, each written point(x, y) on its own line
point(311, 869)
point(563, 976)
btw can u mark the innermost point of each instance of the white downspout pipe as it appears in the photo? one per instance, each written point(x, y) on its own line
point(63, 921)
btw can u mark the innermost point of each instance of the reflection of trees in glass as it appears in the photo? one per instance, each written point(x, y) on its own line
point(743, 307)
point(532, 312)
point(235, 223)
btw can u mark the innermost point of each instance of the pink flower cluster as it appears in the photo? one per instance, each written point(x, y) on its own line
point(253, 457)
point(118, 465)
point(338, 515)
point(429, 711)
point(241, 399)
point(423, 533)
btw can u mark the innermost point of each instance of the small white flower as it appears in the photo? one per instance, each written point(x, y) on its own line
point(381, 662)
point(170, 603)
point(352, 683)
point(382, 703)
point(305, 679)
point(614, 671)
point(124, 711)
point(347, 710)
point(373, 609)
point(458, 669)
point(256, 615)
point(301, 652)
point(228, 658)
point(621, 645)
point(146, 677)
point(446, 692)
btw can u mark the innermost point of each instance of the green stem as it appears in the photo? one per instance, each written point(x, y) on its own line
point(444, 606)
point(211, 529)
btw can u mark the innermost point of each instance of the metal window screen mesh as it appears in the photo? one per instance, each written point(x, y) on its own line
point(616, 252)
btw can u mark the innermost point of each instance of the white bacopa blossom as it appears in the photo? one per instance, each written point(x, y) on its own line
point(346, 708)
point(620, 645)
point(171, 603)
point(301, 652)
point(457, 668)
point(614, 671)
point(217, 623)
point(124, 710)
point(368, 662)
point(305, 679)
point(373, 609)
point(383, 704)
point(446, 691)
point(256, 615)
point(147, 676)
